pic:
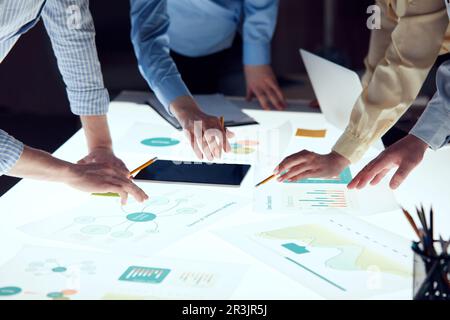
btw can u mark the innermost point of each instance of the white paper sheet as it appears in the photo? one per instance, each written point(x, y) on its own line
point(275, 197)
point(335, 255)
point(173, 211)
point(249, 145)
point(59, 274)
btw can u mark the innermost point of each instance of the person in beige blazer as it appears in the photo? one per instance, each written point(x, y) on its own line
point(413, 34)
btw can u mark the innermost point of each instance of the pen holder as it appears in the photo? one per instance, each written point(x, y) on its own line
point(431, 275)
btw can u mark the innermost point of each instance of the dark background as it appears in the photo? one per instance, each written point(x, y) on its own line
point(33, 102)
point(31, 83)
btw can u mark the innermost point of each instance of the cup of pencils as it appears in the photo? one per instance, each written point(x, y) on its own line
point(431, 260)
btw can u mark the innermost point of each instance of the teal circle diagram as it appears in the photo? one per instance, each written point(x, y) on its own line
point(9, 291)
point(59, 269)
point(160, 142)
point(141, 217)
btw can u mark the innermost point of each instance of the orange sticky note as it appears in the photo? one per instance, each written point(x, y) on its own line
point(311, 133)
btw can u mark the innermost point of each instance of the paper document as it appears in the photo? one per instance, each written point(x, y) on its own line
point(315, 195)
point(41, 273)
point(250, 144)
point(139, 228)
point(335, 255)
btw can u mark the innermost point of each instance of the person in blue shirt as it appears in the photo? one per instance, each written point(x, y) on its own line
point(188, 29)
point(431, 131)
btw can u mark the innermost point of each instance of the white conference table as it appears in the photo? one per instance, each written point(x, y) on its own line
point(31, 201)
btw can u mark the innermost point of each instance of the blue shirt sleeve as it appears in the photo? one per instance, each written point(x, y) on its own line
point(71, 30)
point(260, 18)
point(433, 126)
point(149, 27)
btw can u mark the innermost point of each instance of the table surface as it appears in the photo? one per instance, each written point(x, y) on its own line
point(427, 184)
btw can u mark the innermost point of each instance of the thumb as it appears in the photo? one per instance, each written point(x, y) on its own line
point(230, 134)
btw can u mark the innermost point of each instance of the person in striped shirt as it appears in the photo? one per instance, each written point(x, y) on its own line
point(71, 30)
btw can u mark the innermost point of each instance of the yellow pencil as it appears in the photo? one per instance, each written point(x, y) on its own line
point(142, 167)
point(266, 180)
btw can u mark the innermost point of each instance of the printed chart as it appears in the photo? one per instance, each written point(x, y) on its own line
point(333, 254)
point(41, 273)
point(171, 213)
point(313, 195)
point(318, 198)
point(244, 146)
point(290, 197)
point(249, 145)
point(38, 273)
point(310, 194)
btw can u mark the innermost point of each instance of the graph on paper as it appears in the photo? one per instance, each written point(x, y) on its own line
point(45, 273)
point(142, 228)
point(318, 198)
point(333, 254)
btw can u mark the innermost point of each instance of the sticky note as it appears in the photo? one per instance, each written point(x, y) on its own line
point(311, 133)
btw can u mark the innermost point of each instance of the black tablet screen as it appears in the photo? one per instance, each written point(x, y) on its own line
point(194, 172)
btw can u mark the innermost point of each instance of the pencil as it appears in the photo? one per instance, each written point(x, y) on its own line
point(222, 122)
point(266, 180)
point(432, 224)
point(145, 165)
point(412, 223)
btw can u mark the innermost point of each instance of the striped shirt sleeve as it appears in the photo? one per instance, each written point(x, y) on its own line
point(10, 151)
point(71, 30)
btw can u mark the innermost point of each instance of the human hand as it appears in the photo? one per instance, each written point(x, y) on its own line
point(103, 178)
point(405, 155)
point(306, 164)
point(262, 83)
point(205, 133)
point(104, 155)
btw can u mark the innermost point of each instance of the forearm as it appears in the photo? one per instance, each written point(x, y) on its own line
point(433, 127)
point(96, 130)
point(149, 27)
point(260, 18)
point(40, 165)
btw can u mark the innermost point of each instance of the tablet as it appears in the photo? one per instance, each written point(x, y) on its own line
point(194, 172)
